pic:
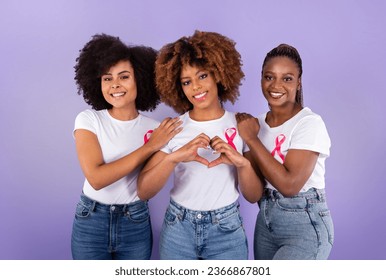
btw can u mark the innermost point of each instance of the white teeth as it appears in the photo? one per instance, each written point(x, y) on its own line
point(276, 94)
point(118, 94)
point(200, 95)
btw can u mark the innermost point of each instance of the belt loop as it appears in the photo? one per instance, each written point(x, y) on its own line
point(319, 194)
point(124, 209)
point(183, 214)
point(93, 205)
point(213, 216)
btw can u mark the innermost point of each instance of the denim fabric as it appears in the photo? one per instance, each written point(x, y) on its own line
point(102, 232)
point(191, 235)
point(293, 228)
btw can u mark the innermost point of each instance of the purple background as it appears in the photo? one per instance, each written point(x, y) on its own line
point(342, 44)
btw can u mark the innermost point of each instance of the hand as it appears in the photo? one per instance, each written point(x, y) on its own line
point(248, 126)
point(168, 128)
point(228, 154)
point(188, 152)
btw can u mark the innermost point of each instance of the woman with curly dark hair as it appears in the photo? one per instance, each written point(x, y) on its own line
point(196, 75)
point(113, 140)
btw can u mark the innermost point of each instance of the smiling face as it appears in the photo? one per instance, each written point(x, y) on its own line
point(118, 85)
point(199, 87)
point(280, 81)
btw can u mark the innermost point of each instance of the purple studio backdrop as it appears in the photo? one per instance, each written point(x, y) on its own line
point(342, 44)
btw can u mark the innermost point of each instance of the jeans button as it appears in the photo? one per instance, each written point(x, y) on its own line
point(199, 216)
point(112, 208)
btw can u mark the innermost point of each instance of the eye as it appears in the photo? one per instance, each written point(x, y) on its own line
point(185, 83)
point(268, 77)
point(288, 79)
point(106, 79)
point(124, 77)
point(203, 76)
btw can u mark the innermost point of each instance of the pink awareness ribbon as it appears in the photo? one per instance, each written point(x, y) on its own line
point(278, 144)
point(230, 134)
point(147, 135)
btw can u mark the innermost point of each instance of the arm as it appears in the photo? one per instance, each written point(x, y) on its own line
point(158, 169)
point(251, 186)
point(288, 178)
point(100, 174)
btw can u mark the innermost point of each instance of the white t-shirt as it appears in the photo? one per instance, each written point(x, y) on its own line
point(305, 131)
point(117, 139)
point(196, 186)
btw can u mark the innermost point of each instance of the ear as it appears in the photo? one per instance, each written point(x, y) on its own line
point(299, 83)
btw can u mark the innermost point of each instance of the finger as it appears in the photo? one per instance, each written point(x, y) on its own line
point(165, 121)
point(201, 160)
point(173, 123)
point(216, 162)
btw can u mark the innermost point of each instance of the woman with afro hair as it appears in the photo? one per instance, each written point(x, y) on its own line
point(195, 76)
point(113, 140)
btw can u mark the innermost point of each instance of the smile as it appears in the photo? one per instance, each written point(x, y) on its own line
point(117, 94)
point(276, 94)
point(201, 95)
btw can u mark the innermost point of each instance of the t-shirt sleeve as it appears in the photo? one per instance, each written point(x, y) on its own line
point(311, 134)
point(85, 120)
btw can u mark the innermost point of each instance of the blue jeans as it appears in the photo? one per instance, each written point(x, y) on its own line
point(293, 228)
point(106, 232)
point(192, 235)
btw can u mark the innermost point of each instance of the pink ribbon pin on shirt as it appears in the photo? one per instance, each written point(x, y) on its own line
point(278, 142)
point(230, 134)
point(147, 135)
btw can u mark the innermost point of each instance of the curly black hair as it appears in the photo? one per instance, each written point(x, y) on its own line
point(104, 51)
point(293, 54)
point(209, 50)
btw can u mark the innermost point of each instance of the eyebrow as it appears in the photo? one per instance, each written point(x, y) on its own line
point(202, 70)
point(124, 71)
point(272, 72)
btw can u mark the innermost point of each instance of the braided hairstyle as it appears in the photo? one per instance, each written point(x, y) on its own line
point(293, 54)
point(208, 50)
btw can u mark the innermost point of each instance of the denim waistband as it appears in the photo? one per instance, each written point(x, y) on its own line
point(311, 193)
point(116, 208)
point(198, 216)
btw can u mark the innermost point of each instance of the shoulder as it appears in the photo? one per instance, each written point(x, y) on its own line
point(90, 114)
point(309, 118)
point(150, 121)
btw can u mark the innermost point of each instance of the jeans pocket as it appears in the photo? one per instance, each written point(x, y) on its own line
point(230, 223)
point(171, 218)
point(139, 215)
point(292, 204)
point(82, 211)
point(327, 220)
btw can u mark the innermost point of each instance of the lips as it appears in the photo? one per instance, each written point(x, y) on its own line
point(200, 96)
point(118, 94)
point(276, 95)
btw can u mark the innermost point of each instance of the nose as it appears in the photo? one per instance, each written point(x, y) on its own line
point(196, 86)
point(115, 84)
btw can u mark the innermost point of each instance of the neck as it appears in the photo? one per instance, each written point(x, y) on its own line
point(206, 114)
point(123, 114)
point(278, 116)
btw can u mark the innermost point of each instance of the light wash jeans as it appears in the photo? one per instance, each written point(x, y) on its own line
point(105, 232)
point(293, 228)
point(192, 235)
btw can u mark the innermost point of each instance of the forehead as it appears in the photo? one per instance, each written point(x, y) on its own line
point(122, 65)
point(281, 62)
point(190, 70)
